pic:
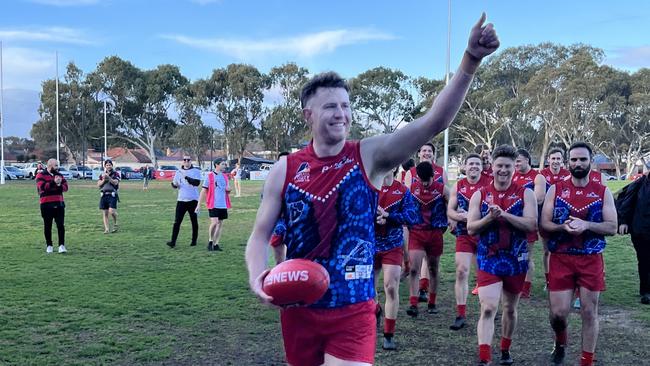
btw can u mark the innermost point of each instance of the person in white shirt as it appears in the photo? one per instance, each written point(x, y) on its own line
point(187, 181)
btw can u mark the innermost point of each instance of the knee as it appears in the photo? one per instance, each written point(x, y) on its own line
point(488, 310)
point(433, 265)
point(462, 272)
point(391, 289)
point(558, 322)
point(414, 272)
point(509, 311)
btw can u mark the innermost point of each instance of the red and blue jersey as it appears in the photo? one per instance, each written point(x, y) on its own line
point(431, 204)
point(585, 203)
point(438, 173)
point(329, 207)
point(525, 180)
point(552, 178)
point(464, 192)
point(595, 176)
point(398, 201)
point(502, 248)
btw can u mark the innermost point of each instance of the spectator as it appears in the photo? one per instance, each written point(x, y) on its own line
point(633, 206)
point(109, 183)
point(186, 180)
point(146, 175)
point(236, 174)
point(50, 185)
point(216, 187)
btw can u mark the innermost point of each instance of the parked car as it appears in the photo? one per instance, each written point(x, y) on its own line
point(13, 173)
point(609, 177)
point(31, 169)
point(80, 171)
point(165, 172)
point(126, 172)
point(65, 173)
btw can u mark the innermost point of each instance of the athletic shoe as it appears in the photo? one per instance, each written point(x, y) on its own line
point(171, 244)
point(645, 299)
point(412, 311)
point(475, 290)
point(217, 248)
point(458, 323)
point(115, 228)
point(576, 304)
point(49, 249)
point(389, 344)
point(431, 309)
point(423, 296)
point(62, 249)
point(557, 356)
point(506, 359)
point(210, 246)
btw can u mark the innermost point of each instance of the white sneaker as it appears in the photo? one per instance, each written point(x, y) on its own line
point(49, 249)
point(62, 249)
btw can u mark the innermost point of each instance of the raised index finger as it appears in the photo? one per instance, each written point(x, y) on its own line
point(480, 22)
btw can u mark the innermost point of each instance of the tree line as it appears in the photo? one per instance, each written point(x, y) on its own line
point(532, 96)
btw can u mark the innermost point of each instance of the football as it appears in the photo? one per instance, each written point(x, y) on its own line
point(296, 282)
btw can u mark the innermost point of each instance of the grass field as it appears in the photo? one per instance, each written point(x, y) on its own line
point(126, 298)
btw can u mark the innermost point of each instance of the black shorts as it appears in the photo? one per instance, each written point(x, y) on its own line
point(107, 201)
point(220, 213)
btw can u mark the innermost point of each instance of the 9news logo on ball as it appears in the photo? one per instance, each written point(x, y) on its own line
point(296, 282)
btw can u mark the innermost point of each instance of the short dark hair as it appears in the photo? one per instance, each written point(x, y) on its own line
point(555, 150)
point(284, 153)
point(473, 155)
point(108, 161)
point(433, 148)
point(504, 151)
point(480, 147)
point(328, 79)
point(410, 163)
point(581, 144)
point(424, 171)
point(525, 154)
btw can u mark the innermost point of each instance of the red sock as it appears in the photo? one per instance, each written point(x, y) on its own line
point(587, 359)
point(432, 298)
point(424, 284)
point(460, 309)
point(505, 344)
point(484, 352)
point(389, 326)
point(413, 300)
point(526, 288)
point(561, 337)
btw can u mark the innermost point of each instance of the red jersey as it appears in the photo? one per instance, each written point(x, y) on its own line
point(585, 203)
point(431, 201)
point(464, 192)
point(525, 180)
point(488, 173)
point(438, 173)
point(595, 176)
point(552, 178)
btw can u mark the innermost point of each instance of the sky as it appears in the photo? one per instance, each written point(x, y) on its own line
point(345, 36)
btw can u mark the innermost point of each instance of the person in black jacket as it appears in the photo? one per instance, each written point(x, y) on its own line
point(633, 206)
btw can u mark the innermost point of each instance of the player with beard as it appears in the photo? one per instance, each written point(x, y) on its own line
point(485, 153)
point(465, 243)
point(427, 153)
point(396, 208)
point(528, 177)
point(425, 238)
point(577, 215)
point(502, 213)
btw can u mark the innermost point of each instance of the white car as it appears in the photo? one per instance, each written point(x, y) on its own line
point(65, 173)
point(30, 169)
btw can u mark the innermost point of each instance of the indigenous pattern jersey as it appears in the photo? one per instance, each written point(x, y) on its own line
point(502, 248)
point(585, 203)
point(329, 207)
point(464, 192)
point(438, 173)
point(431, 205)
point(525, 180)
point(552, 178)
point(398, 201)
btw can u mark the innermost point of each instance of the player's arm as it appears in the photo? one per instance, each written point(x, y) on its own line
point(452, 207)
point(540, 189)
point(476, 224)
point(444, 177)
point(204, 191)
point(381, 153)
point(547, 213)
point(528, 221)
point(408, 179)
point(280, 253)
point(267, 216)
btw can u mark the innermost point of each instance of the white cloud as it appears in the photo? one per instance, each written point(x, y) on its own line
point(49, 34)
point(630, 57)
point(25, 68)
point(66, 2)
point(303, 46)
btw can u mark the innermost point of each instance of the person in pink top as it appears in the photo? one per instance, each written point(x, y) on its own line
point(216, 187)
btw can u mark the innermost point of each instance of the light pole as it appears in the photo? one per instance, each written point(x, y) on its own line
point(2, 124)
point(105, 136)
point(446, 154)
point(57, 108)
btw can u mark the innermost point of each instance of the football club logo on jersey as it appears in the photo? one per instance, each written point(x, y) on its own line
point(302, 175)
point(489, 199)
point(592, 195)
point(565, 193)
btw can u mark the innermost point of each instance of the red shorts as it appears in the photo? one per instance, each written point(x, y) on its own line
point(567, 272)
point(466, 244)
point(428, 240)
point(393, 256)
point(348, 333)
point(513, 284)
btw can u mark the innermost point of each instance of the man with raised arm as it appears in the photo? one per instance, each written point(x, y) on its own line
point(327, 193)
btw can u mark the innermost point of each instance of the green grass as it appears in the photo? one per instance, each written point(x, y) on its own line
point(126, 298)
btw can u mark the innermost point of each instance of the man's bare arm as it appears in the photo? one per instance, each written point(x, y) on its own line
point(476, 224)
point(527, 222)
point(540, 189)
point(547, 213)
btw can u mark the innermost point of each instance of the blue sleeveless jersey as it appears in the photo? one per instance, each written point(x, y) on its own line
point(329, 208)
